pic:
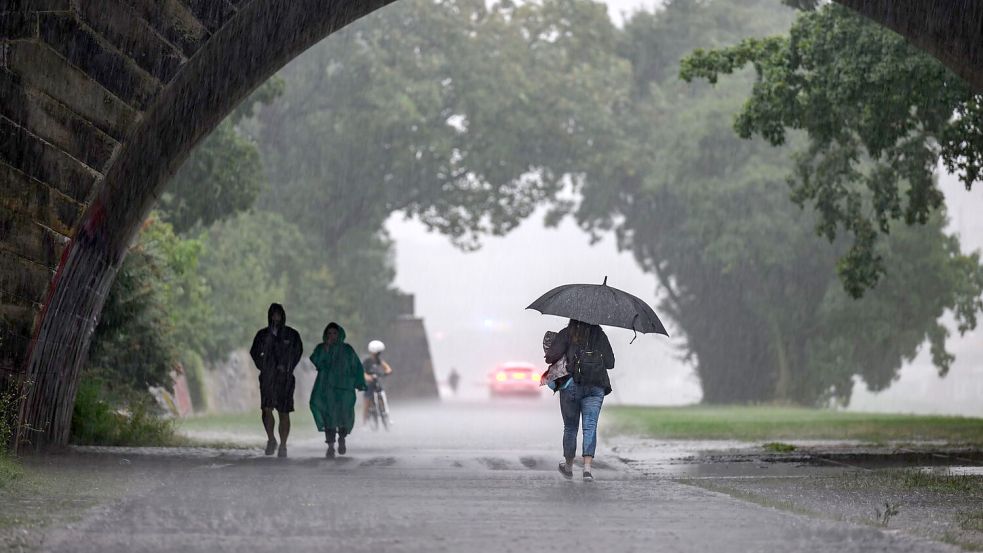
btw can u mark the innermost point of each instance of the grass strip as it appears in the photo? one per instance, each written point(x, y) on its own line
point(764, 423)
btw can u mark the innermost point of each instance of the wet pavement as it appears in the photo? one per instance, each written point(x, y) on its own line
point(458, 478)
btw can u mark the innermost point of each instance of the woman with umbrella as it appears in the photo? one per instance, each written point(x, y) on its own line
point(588, 355)
point(339, 374)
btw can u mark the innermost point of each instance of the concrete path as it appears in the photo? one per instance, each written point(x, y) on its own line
point(458, 478)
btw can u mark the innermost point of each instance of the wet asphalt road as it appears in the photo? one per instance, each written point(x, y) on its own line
point(463, 478)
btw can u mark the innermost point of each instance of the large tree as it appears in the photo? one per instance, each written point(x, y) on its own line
point(462, 114)
point(877, 112)
point(753, 290)
point(468, 116)
point(223, 175)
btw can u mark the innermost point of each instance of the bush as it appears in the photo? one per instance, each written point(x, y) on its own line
point(96, 422)
point(8, 414)
point(10, 470)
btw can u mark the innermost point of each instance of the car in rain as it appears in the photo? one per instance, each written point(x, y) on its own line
point(515, 378)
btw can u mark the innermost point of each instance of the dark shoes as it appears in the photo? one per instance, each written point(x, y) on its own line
point(270, 447)
point(588, 477)
point(566, 470)
point(341, 446)
point(282, 453)
point(330, 453)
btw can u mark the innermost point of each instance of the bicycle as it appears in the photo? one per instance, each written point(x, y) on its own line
point(379, 409)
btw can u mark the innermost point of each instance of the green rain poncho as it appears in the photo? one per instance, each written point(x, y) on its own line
point(339, 374)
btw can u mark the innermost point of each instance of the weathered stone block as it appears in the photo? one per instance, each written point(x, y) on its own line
point(54, 123)
point(133, 36)
point(36, 200)
point(37, 5)
point(13, 350)
point(173, 21)
point(23, 279)
point(18, 316)
point(408, 351)
point(40, 68)
point(89, 52)
point(212, 13)
point(19, 234)
point(38, 159)
point(18, 25)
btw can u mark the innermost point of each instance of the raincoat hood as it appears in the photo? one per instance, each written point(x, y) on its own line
point(276, 308)
point(341, 333)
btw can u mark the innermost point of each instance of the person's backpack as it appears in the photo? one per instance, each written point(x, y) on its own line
point(589, 367)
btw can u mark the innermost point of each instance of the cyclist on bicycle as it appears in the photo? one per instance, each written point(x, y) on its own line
point(375, 368)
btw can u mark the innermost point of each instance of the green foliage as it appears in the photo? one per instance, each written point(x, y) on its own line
point(10, 470)
point(223, 175)
point(153, 311)
point(464, 115)
point(9, 402)
point(756, 295)
point(879, 115)
point(97, 422)
point(152, 318)
point(245, 262)
point(468, 116)
point(255, 259)
point(940, 480)
point(770, 423)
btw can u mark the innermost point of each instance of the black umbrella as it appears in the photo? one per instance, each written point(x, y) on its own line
point(600, 304)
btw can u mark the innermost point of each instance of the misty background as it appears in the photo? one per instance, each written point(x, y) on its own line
point(477, 155)
point(473, 304)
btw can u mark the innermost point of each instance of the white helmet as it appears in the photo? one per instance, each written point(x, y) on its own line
point(376, 346)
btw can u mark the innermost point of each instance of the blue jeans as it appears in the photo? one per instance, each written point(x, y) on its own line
point(576, 402)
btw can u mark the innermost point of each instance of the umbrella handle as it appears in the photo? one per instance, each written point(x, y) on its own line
point(632, 325)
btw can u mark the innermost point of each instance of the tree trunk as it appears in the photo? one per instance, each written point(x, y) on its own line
point(783, 377)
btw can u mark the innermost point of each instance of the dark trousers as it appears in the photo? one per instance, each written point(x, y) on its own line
point(330, 433)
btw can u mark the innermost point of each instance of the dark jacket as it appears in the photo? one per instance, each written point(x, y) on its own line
point(563, 346)
point(280, 349)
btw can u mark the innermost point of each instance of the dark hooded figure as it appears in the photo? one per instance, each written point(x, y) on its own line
point(276, 351)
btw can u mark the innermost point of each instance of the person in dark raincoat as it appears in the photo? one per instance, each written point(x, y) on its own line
point(276, 351)
point(339, 374)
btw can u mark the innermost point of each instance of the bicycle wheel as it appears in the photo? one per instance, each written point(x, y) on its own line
point(374, 415)
point(383, 409)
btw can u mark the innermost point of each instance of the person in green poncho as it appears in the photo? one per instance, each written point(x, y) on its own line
point(339, 374)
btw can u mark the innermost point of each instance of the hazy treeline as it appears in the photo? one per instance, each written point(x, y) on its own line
point(468, 117)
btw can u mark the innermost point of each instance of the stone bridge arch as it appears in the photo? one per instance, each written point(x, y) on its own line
point(101, 101)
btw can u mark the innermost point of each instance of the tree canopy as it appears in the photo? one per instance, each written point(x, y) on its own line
point(469, 116)
point(742, 274)
point(879, 116)
point(223, 175)
point(462, 114)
